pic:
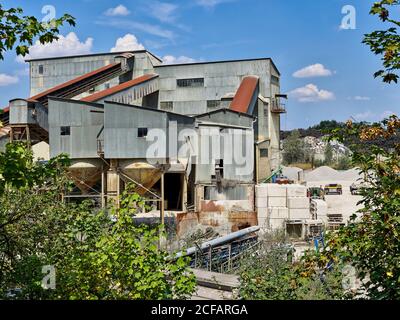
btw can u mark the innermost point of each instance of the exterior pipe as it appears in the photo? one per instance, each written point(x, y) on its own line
point(217, 242)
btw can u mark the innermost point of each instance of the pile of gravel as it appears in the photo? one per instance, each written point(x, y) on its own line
point(327, 173)
point(292, 173)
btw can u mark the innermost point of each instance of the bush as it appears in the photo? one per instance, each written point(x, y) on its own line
point(271, 274)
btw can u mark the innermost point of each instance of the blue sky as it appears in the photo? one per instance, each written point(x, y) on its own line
point(325, 69)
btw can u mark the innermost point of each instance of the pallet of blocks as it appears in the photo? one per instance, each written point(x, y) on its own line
point(335, 221)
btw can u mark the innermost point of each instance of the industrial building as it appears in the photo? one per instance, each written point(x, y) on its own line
point(194, 138)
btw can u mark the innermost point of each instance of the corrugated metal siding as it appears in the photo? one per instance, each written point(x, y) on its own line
point(121, 130)
point(224, 116)
point(57, 71)
point(85, 127)
point(226, 140)
point(219, 79)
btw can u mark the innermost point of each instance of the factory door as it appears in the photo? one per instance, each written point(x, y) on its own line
point(173, 191)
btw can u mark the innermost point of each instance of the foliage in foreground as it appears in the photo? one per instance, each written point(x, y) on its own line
point(386, 43)
point(370, 242)
point(19, 31)
point(271, 274)
point(97, 254)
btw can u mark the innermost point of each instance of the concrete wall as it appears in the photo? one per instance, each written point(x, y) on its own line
point(86, 123)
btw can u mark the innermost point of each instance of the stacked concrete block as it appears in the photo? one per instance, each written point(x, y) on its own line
point(271, 203)
point(277, 217)
point(296, 190)
point(277, 203)
point(298, 202)
point(276, 195)
point(262, 205)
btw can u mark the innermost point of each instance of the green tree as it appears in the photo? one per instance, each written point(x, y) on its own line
point(294, 148)
point(20, 31)
point(371, 242)
point(344, 163)
point(118, 260)
point(386, 42)
point(272, 275)
point(97, 254)
point(328, 153)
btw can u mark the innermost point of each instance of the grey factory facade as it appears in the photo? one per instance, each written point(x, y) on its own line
point(169, 129)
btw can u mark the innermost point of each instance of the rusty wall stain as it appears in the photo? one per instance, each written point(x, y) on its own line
point(222, 222)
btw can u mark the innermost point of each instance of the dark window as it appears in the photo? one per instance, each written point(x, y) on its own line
point(167, 105)
point(266, 111)
point(65, 131)
point(194, 82)
point(142, 132)
point(275, 80)
point(213, 104)
point(41, 69)
point(264, 153)
point(219, 169)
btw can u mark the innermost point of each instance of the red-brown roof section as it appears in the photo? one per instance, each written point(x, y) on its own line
point(244, 94)
point(110, 91)
point(73, 81)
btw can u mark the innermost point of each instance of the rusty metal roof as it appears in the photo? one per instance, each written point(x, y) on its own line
point(110, 91)
point(244, 94)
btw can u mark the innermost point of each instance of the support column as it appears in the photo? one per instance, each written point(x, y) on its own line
point(184, 193)
point(113, 182)
point(103, 181)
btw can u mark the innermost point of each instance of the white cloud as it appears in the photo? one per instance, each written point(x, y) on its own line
point(22, 72)
point(64, 46)
point(315, 70)
point(162, 11)
point(311, 93)
point(6, 80)
point(177, 60)
point(117, 11)
point(211, 3)
point(363, 116)
point(361, 98)
point(387, 114)
point(372, 117)
point(127, 43)
point(154, 30)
